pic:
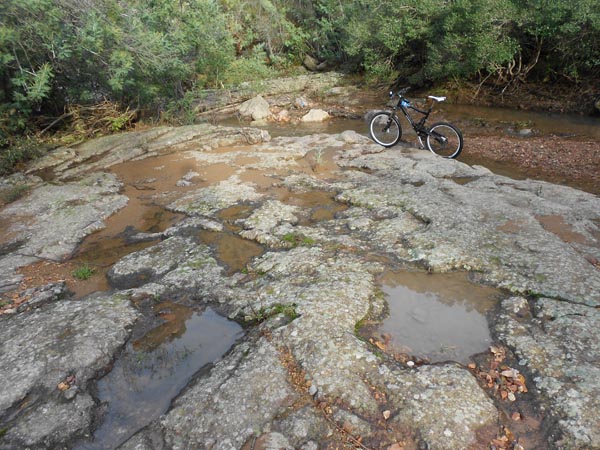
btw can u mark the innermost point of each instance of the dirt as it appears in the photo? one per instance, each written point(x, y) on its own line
point(567, 161)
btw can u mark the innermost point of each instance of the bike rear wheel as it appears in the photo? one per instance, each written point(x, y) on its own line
point(445, 140)
point(385, 129)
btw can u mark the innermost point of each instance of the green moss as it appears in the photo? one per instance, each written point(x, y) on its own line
point(288, 311)
point(197, 263)
point(298, 239)
point(532, 294)
point(264, 314)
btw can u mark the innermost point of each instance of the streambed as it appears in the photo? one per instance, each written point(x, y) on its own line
point(324, 216)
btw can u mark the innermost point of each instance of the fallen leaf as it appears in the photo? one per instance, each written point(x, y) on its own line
point(509, 435)
point(510, 373)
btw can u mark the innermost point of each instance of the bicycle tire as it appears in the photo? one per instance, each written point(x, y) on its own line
point(385, 129)
point(445, 140)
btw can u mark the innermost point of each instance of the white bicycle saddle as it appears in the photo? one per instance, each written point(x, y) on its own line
point(437, 99)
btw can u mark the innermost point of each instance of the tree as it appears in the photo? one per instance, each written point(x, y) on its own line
point(56, 53)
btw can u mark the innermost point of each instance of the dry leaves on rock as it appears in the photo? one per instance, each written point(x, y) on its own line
point(502, 380)
point(401, 356)
point(66, 383)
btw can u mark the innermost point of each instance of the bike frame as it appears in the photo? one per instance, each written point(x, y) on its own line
point(419, 126)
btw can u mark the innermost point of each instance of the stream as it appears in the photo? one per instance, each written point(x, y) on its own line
point(474, 121)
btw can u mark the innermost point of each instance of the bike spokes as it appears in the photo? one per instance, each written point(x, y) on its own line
point(445, 140)
point(385, 129)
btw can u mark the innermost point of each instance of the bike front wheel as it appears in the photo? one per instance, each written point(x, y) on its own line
point(385, 129)
point(445, 140)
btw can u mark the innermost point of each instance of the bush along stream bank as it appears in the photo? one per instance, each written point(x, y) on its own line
point(303, 374)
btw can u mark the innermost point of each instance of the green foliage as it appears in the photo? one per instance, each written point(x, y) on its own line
point(424, 41)
point(470, 36)
point(181, 110)
point(566, 34)
point(265, 23)
point(56, 53)
point(84, 272)
point(20, 151)
point(249, 68)
point(150, 53)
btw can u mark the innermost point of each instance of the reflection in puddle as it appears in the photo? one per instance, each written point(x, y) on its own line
point(439, 317)
point(143, 383)
point(175, 317)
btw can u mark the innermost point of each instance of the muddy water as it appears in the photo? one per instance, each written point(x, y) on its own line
point(156, 367)
point(152, 183)
point(473, 120)
point(231, 250)
point(470, 118)
point(507, 119)
point(435, 317)
point(320, 204)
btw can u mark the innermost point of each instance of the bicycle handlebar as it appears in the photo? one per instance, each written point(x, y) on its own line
point(400, 92)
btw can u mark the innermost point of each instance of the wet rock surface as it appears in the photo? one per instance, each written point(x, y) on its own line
point(49, 358)
point(302, 377)
point(52, 220)
point(558, 343)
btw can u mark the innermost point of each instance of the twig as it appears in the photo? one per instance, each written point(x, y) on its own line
point(64, 116)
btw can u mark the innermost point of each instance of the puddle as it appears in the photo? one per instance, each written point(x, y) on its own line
point(233, 251)
point(175, 317)
point(556, 224)
point(99, 251)
point(103, 249)
point(235, 212)
point(437, 317)
point(331, 126)
point(463, 180)
point(155, 174)
point(321, 204)
point(322, 162)
point(153, 370)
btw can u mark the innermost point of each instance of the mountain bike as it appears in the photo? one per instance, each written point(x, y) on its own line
point(442, 138)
